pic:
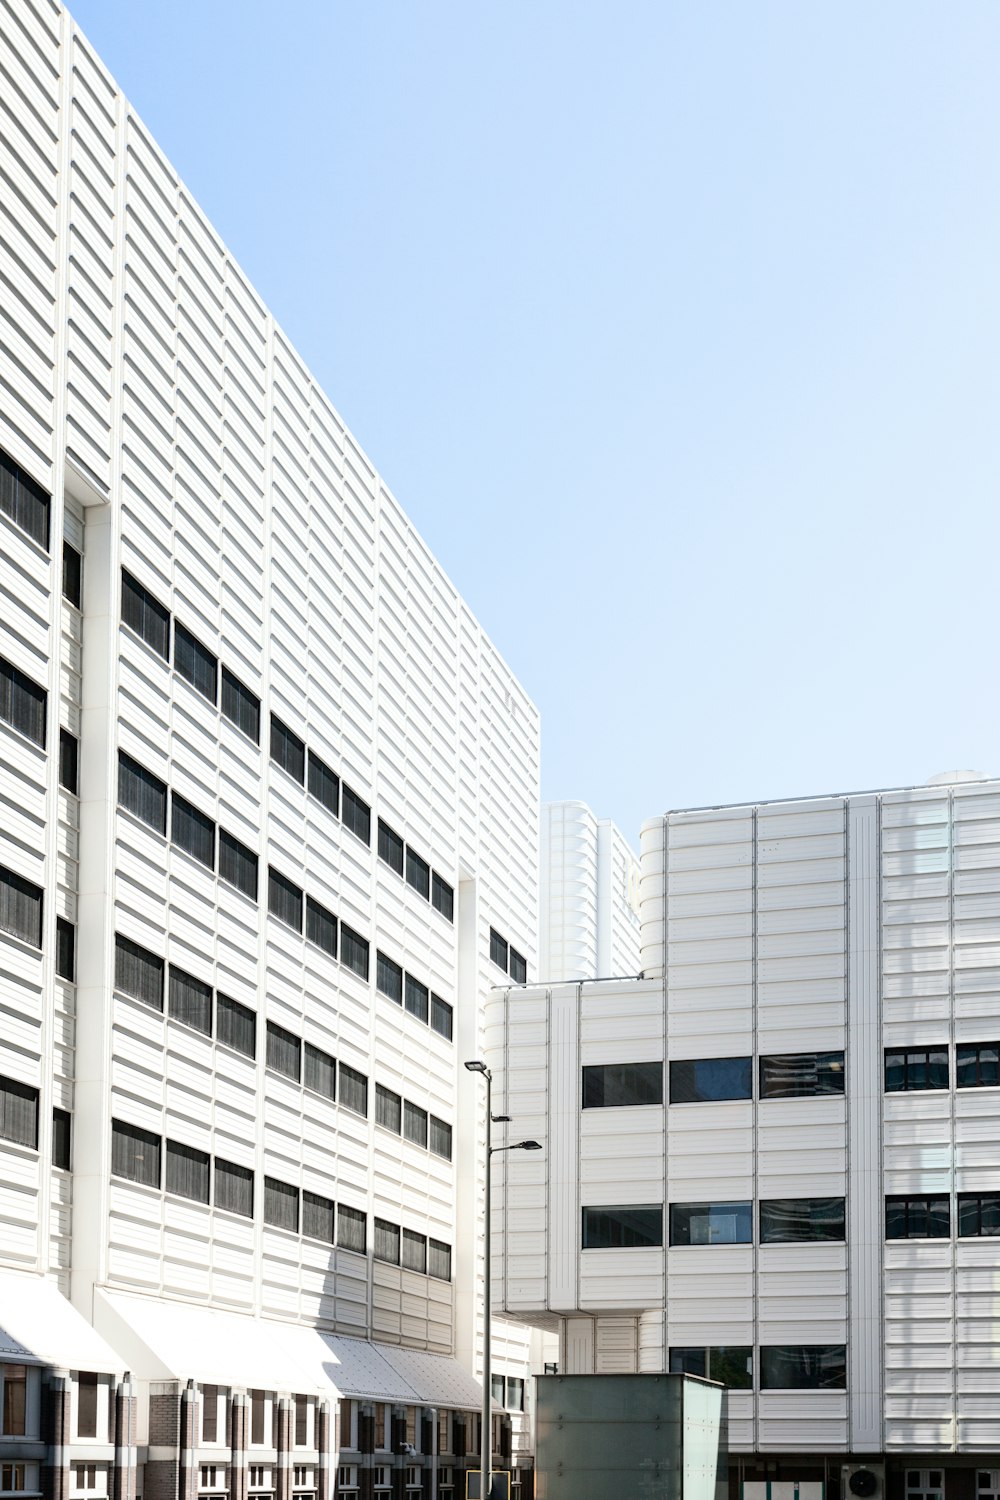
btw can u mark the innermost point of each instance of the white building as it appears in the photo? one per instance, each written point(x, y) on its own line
point(775, 1159)
point(267, 790)
point(589, 916)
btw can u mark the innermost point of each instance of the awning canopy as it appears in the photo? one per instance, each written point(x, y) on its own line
point(39, 1326)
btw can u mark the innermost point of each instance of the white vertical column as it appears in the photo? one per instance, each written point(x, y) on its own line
point(563, 1149)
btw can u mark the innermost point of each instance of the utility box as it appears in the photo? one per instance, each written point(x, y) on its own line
point(647, 1437)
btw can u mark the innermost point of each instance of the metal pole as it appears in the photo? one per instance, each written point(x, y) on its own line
point(434, 1453)
point(486, 1437)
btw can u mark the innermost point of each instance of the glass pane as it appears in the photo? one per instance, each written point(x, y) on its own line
point(620, 1085)
point(705, 1080)
point(710, 1223)
point(733, 1367)
point(626, 1228)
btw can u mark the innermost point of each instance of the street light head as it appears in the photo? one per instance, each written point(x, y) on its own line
point(527, 1146)
point(476, 1067)
point(500, 1119)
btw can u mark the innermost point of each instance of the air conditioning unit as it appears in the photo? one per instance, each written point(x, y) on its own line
point(862, 1481)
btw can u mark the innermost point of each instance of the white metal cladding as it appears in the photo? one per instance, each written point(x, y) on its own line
point(589, 925)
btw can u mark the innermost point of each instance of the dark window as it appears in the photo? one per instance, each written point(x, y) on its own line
point(518, 967)
point(730, 1366)
point(281, 1204)
point(13, 1415)
point(415, 1124)
point(353, 950)
point(302, 1402)
point(22, 703)
point(706, 1079)
point(145, 615)
point(918, 1218)
point(135, 1154)
point(797, 1220)
point(324, 784)
point(711, 1223)
point(69, 761)
point(18, 1113)
point(356, 814)
point(977, 1065)
point(353, 1090)
point(417, 998)
point(803, 1367)
point(191, 831)
point(234, 1188)
point(288, 751)
point(386, 1245)
point(258, 1410)
point(616, 1085)
point(72, 575)
point(65, 949)
point(388, 1109)
point(141, 793)
point(439, 1260)
point(440, 1138)
point(187, 1172)
point(209, 1414)
point(978, 1214)
point(390, 847)
point(62, 1136)
point(321, 1072)
point(284, 1051)
point(415, 1251)
point(916, 1068)
point(351, 1225)
point(628, 1227)
point(236, 1026)
point(240, 706)
point(284, 900)
point(418, 873)
point(86, 1404)
point(189, 1000)
point(498, 950)
point(388, 977)
point(321, 927)
point(138, 972)
point(20, 908)
point(802, 1074)
point(195, 663)
point(515, 1393)
point(237, 864)
point(23, 500)
point(318, 1217)
point(441, 1017)
point(442, 897)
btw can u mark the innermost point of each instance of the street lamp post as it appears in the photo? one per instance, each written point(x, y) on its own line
point(486, 1436)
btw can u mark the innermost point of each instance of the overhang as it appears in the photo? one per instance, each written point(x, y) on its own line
point(39, 1326)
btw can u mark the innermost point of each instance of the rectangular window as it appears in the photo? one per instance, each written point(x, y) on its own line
point(22, 703)
point(800, 1220)
point(141, 793)
point(351, 1224)
point(237, 864)
point(23, 500)
point(284, 900)
point(18, 1113)
point(518, 967)
point(417, 998)
point(621, 1085)
point(442, 897)
point(240, 706)
point(284, 1052)
point(189, 1000)
point(704, 1080)
point(498, 950)
point(440, 1138)
point(801, 1075)
point(386, 1245)
point(236, 1026)
point(321, 927)
point(356, 814)
point(62, 1139)
point(69, 762)
point(324, 784)
point(14, 1379)
point(418, 873)
point(439, 1260)
point(442, 1019)
point(388, 1109)
point(629, 1227)
point(918, 1218)
point(321, 1072)
point(318, 1217)
point(195, 663)
point(415, 1124)
point(135, 1154)
point(288, 751)
point(388, 977)
point(72, 575)
point(515, 1393)
point(978, 1214)
point(390, 847)
point(187, 1172)
point(234, 1188)
point(977, 1065)
point(191, 831)
point(302, 1406)
point(145, 615)
point(711, 1223)
point(353, 1090)
point(138, 972)
point(281, 1205)
point(415, 1251)
point(353, 951)
point(20, 908)
point(65, 949)
point(730, 1366)
point(803, 1367)
point(916, 1068)
point(258, 1416)
point(209, 1415)
point(86, 1404)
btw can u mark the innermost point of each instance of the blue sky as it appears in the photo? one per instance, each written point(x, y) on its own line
point(674, 327)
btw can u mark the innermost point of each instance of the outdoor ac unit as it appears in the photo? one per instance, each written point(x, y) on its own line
point(862, 1482)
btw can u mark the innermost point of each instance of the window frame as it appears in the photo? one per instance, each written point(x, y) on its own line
point(594, 1083)
point(147, 609)
point(22, 908)
point(744, 1091)
point(287, 750)
point(202, 667)
point(621, 1235)
point(712, 1211)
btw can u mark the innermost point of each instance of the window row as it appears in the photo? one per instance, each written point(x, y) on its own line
point(144, 976)
point(262, 1410)
point(705, 1080)
point(506, 957)
point(412, 1122)
point(403, 989)
point(317, 1070)
point(22, 905)
point(412, 1251)
point(780, 1221)
point(928, 1216)
point(782, 1367)
point(977, 1066)
point(23, 705)
point(140, 1156)
point(304, 766)
point(287, 902)
point(19, 1121)
point(415, 870)
point(24, 501)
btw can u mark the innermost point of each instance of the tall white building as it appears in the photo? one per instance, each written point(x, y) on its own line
point(589, 917)
point(267, 791)
point(775, 1159)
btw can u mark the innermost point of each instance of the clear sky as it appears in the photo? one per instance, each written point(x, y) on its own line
point(675, 327)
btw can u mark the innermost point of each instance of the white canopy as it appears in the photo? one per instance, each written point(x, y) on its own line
point(39, 1326)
